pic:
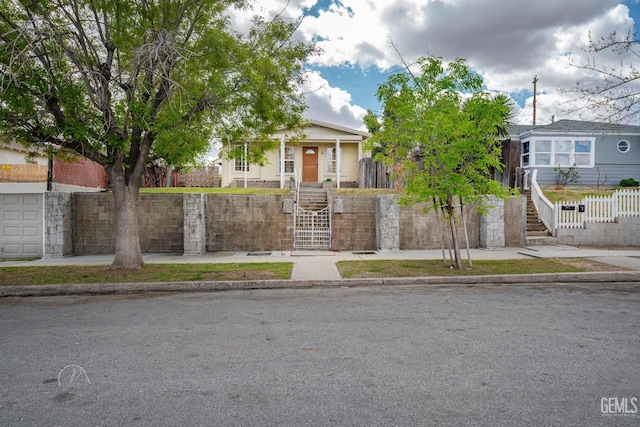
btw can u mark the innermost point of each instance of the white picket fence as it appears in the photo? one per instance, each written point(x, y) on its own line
point(622, 203)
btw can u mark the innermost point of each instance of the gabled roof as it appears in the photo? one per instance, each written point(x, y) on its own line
point(574, 126)
point(338, 128)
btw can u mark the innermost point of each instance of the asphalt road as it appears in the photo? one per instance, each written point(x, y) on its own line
point(414, 355)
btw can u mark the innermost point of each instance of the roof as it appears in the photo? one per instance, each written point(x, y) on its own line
point(575, 126)
point(338, 128)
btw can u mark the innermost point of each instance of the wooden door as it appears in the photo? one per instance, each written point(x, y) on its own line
point(309, 164)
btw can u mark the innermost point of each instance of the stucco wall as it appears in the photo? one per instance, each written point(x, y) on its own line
point(622, 232)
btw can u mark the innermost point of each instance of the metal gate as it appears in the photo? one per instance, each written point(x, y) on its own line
point(312, 229)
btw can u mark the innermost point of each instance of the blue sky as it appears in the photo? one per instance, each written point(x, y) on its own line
point(508, 43)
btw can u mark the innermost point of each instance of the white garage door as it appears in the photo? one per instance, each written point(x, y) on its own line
point(22, 226)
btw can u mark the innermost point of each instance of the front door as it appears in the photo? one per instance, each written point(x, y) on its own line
point(309, 164)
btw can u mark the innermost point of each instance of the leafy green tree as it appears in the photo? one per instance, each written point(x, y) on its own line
point(124, 81)
point(445, 130)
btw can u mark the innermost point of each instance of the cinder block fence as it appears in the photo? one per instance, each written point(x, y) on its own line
point(192, 224)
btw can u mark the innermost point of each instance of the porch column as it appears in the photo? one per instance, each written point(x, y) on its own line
point(338, 161)
point(246, 165)
point(282, 162)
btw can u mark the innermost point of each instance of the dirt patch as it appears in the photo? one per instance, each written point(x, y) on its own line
point(589, 265)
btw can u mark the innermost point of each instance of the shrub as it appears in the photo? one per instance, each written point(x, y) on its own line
point(629, 182)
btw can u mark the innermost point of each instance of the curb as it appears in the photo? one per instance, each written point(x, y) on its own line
point(141, 288)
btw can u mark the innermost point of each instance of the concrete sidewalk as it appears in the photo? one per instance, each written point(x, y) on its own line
point(318, 268)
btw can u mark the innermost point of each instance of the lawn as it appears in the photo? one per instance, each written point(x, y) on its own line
point(52, 275)
point(574, 194)
point(212, 190)
point(421, 268)
point(38, 275)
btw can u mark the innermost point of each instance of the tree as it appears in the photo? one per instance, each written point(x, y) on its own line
point(615, 95)
point(445, 130)
point(124, 81)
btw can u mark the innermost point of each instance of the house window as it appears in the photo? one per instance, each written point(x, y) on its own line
point(562, 152)
point(241, 164)
point(624, 146)
point(289, 160)
point(525, 153)
point(331, 160)
point(542, 151)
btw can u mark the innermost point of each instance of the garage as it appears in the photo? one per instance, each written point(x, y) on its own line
point(22, 226)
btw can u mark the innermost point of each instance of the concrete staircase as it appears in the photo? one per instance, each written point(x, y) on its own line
point(537, 233)
point(313, 219)
point(312, 197)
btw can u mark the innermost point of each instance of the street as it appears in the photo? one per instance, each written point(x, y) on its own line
point(405, 356)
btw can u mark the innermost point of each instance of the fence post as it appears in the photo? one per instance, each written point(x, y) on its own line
point(614, 205)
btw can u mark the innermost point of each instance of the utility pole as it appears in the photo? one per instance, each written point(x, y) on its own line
point(535, 81)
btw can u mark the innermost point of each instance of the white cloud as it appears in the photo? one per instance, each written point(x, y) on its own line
point(508, 43)
point(331, 104)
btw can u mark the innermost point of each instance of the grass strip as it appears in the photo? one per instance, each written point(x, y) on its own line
point(52, 275)
point(421, 268)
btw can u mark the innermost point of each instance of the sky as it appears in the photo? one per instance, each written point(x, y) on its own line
point(509, 43)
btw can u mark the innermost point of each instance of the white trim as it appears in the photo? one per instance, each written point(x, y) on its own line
point(338, 162)
point(533, 151)
point(282, 153)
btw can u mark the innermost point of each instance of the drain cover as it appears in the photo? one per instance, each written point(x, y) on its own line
point(259, 254)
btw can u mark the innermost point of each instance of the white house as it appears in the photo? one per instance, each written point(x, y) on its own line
point(327, 152)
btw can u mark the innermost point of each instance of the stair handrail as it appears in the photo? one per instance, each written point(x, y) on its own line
point(546, 209)
point(297, 174)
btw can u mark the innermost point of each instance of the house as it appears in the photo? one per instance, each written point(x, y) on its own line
point(25, 177)
point(600, 153)
point(23, 171)
point(327, 152)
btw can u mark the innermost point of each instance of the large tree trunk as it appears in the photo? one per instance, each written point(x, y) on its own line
point(128, 255)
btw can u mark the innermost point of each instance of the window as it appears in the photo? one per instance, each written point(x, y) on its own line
point(624, 146)
point(289, 159)
point(542, 149)
point(563, 152)
point(525, 153)
point(331, 160)
point(241, 164)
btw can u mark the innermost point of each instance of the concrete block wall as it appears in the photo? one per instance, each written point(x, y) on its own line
point(249, 222)
point(625, 231)
point(160, 219)
point(420, 230)
point(515, 221)
point(83, 223)
point(354, 227)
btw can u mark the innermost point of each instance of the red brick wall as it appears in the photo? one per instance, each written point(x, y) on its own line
point(81, 172)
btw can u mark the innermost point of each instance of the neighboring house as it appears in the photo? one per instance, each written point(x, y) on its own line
point(601, 153)
point(23, 183)
point(22, 171)
point(326, 153)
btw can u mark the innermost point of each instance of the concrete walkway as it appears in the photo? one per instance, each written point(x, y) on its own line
point(318, 268)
